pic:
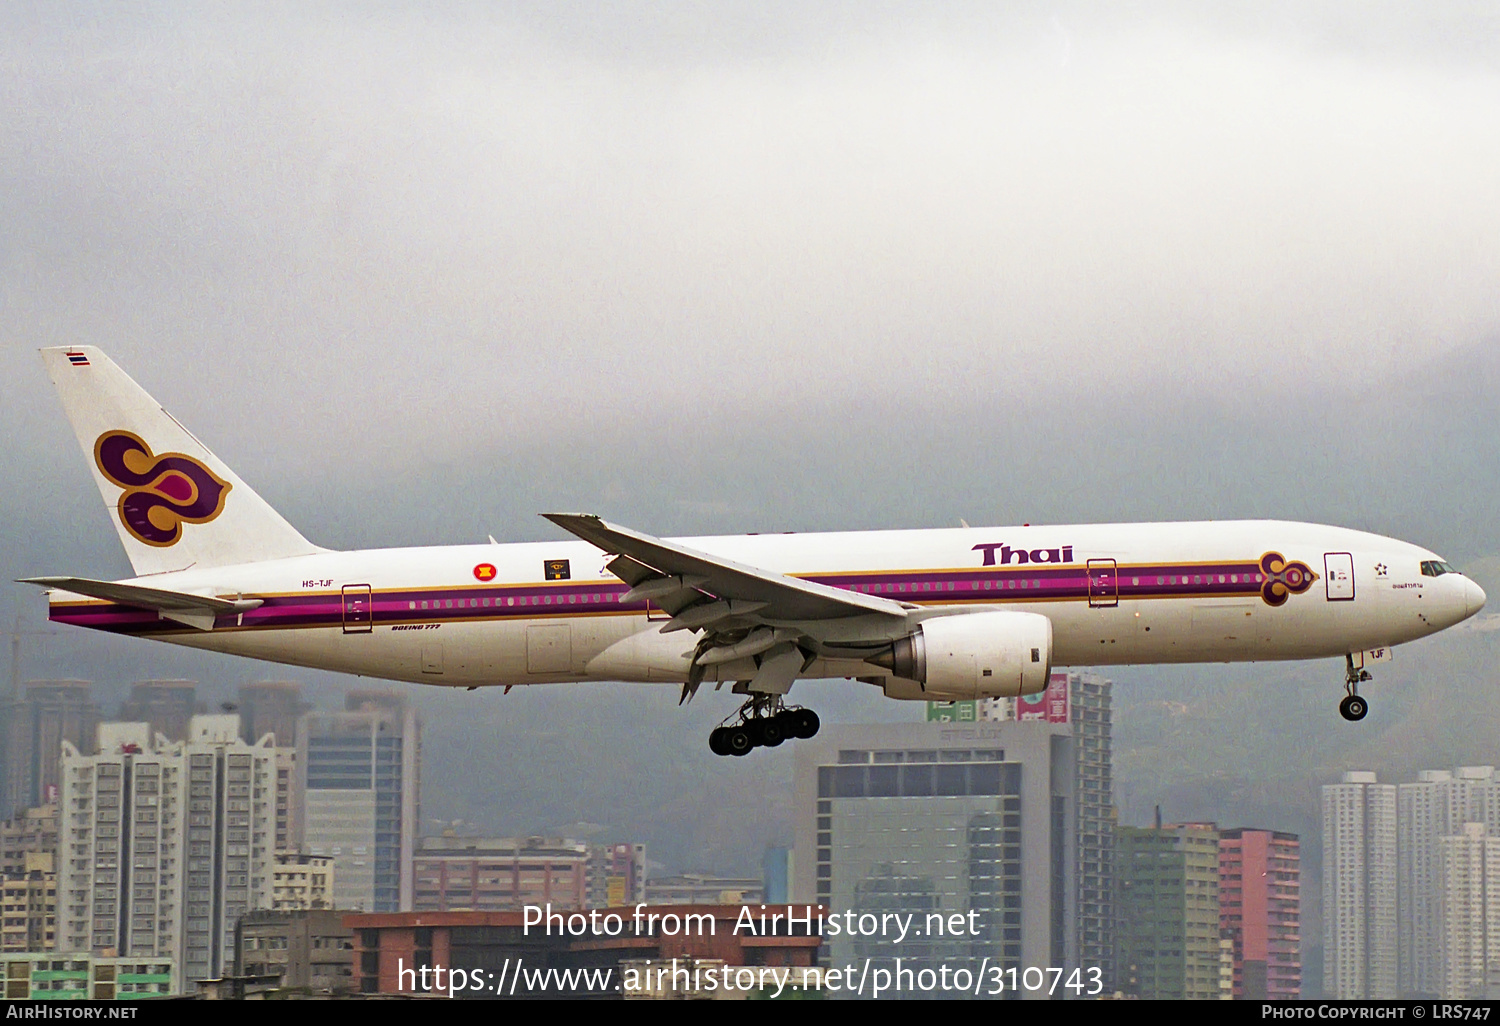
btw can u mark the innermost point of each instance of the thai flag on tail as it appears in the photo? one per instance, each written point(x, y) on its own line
point(78, 359)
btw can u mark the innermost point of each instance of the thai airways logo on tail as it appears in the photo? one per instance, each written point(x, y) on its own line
point(161, 492)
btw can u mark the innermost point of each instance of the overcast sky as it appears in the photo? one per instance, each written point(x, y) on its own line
point(756, 255)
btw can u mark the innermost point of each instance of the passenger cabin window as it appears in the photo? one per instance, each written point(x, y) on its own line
point(1437, 568)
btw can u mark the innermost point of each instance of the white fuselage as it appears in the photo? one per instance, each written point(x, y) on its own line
point(478, 615)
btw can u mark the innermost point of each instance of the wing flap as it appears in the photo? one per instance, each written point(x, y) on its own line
point(785, 598)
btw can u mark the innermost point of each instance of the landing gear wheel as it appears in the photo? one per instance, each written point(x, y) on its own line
point(1353, 708)
point(806, 723)
point(738, 740)
point(762, 720)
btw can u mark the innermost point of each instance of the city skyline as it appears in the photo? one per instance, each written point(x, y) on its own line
point(1440, 805)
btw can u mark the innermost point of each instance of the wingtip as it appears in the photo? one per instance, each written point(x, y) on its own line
point(558, 518)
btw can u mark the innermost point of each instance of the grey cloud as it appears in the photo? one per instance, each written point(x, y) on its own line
point(733, 236)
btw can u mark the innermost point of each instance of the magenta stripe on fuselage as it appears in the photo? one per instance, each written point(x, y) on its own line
point(534, 601)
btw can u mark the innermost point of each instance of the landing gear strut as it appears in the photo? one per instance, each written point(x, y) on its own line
point(1353, 707)
point(764, 720)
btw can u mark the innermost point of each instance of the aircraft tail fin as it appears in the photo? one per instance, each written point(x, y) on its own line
point(173, 503)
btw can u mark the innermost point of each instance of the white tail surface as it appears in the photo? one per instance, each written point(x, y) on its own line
point(174, 504)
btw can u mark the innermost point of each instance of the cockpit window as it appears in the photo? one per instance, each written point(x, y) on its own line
point(1437, 568)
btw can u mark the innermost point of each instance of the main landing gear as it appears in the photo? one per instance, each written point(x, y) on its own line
point(762, 720)
point(1353, 707)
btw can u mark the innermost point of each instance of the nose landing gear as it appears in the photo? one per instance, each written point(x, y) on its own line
point(1353, 707)
point(763, 721)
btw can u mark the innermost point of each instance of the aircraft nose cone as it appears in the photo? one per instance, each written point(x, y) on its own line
point(1473, 597)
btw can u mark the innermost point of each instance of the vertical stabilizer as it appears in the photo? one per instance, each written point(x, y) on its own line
point(173, 503)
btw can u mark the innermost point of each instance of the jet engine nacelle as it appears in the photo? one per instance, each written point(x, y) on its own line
point(975, 655)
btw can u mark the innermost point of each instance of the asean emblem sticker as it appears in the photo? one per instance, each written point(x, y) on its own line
point(484, 572)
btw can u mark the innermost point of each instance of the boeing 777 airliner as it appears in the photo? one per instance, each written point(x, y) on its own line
point(943, 615)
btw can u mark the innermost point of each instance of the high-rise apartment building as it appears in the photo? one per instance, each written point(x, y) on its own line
point(167, 705)
point(940, 819)
point(274, 707)
point(32, 730)
point(1260, 911)
point(361, 772)
point(28, 863)
point(28, 905)
point(1167, 903)
point(1469, 912)
point(289, 800)
point(1359, 888)
point(164, 845)
point(1090, 720)
point(28, 832)
point(1436, 805)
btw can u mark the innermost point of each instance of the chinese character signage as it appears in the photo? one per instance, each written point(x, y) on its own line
point(951, 712)
point(1050, 706)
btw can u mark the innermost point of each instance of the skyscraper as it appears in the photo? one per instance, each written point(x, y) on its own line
point(940, 818)
point(361, 769)
point(1090, 719)
point(1359, 888)
point(48, 713)
point(1436, 805)
point(1167, 906)
point(165, 845)
point(1469, 912)
point(1260, 908)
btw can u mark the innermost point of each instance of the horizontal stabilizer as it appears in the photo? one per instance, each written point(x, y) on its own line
point(194, 610)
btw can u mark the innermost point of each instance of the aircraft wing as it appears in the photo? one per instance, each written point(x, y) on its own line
point(194, 610)
point(685, 582)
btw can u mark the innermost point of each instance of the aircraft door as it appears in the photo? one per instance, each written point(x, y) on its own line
point(358, 617)
point(1339, 567)
point(1104, 586)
